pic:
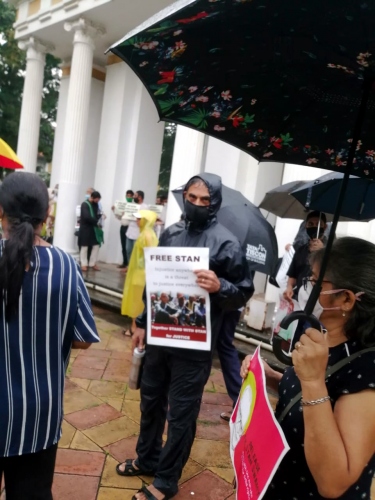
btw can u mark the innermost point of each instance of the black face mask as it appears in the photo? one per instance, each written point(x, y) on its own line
point(196, 214)
point(136, 200)
point(312, 232)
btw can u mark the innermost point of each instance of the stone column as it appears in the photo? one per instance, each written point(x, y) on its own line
point(188, 158)
point(28, 136)
point(76, 122)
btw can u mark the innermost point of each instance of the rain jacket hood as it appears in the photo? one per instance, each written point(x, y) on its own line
point(148, 219)
point(213, 183)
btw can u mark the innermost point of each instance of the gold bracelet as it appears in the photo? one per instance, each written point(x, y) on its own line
point(315, 401)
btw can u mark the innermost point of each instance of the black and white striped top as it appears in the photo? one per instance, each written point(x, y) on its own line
point(35, 347)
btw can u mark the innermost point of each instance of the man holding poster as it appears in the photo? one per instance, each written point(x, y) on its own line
point(176, 370)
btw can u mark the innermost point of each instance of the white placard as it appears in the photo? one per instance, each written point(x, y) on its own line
point(130, 210)
point(281, 277)
point(120, 207)
point(156, 208)
point(178, 308)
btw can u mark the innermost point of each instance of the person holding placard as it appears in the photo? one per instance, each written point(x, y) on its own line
point(123, 229)
point(326, 405)
point(176, 377)
point(132, 232)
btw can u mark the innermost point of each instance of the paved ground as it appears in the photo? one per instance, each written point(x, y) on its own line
point(102, 421)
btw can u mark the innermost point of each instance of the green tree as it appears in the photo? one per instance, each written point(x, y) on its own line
point(12, 71)
point(167, 156)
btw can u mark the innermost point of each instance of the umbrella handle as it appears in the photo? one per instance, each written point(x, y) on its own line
point(309, 321)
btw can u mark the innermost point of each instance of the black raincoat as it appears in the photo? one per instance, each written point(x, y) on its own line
point(86, 234)
point(227, 260)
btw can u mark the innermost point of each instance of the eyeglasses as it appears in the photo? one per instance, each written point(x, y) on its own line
point(329, 292)
point(312, 281)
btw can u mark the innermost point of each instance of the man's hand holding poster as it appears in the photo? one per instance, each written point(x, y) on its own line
point(179, 307)
point(257, 443)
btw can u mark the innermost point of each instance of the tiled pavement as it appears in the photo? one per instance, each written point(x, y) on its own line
point(102, 421)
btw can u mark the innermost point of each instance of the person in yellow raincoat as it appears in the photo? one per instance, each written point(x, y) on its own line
point(132, 303)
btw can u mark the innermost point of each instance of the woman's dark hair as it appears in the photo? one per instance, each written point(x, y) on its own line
point(351, 266)
point(24, 202)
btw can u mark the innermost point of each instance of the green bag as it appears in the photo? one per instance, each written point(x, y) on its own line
point(99, 233)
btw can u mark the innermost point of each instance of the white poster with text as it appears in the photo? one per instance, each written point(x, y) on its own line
point(178, 308)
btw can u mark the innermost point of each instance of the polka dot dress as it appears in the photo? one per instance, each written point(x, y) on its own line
point(293, 480)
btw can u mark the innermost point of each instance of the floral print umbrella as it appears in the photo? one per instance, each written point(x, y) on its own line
point(280, 80)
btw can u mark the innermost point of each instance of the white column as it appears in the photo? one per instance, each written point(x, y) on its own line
point(187, 162)
point(129, 151)
point(77, 114)
point(28, 135)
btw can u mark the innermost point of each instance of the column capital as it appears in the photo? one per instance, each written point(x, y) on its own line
point(85, 31)
point(35, 49)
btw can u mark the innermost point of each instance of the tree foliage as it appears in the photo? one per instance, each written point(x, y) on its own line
point(12, 72)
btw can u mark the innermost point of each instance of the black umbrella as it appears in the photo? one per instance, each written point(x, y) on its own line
point(284, 81)
point(291, 201)
point(246, 222)
point(321, 194)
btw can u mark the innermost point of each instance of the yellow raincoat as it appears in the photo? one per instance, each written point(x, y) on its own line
point(132, 304)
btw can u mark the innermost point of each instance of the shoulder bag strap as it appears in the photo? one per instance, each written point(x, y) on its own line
point(91, 209)
point(330, 371)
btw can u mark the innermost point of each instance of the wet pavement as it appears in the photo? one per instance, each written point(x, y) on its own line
point(101, 425)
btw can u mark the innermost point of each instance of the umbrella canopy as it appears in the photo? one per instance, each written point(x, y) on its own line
point(8, 158)
point(246, 222)
point(321, 194)
point(282, 202)
point(279, 202)
point(279, 81)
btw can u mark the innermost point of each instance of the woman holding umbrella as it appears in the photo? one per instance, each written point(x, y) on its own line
point(328, 417)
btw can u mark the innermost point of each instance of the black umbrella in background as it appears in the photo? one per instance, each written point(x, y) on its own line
point(358, 203)
point(243, 219)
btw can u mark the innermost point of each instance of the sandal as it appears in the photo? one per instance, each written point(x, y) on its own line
point(149, 495)
point(130, 470)
point(224, 416)
point(130, 334)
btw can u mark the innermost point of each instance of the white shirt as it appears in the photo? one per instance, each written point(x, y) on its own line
point(133, 230)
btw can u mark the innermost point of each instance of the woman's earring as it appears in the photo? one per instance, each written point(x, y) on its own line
point(344, 314)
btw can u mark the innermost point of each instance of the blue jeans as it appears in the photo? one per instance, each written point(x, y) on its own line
point(129, 248)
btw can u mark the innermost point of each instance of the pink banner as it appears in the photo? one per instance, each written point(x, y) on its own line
point(257, 442)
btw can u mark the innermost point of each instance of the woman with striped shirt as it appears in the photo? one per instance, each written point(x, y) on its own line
point(45, 311)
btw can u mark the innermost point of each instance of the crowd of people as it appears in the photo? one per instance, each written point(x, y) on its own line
point(180, 310)
point(327, 416)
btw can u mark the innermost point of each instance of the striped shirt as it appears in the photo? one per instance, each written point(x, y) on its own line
point(54, 310)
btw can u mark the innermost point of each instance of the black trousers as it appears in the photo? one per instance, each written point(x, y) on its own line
point(173, 380)
point(228, 355)
point(29, 477)
point(123, 230)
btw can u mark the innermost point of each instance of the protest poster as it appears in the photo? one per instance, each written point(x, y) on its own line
point(257, 442)
point(156, 208)
point(120, 207)
point(130, 210)
point(281, 277)
point(179, 309)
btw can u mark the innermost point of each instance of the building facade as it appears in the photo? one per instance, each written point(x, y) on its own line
point(108, 134)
